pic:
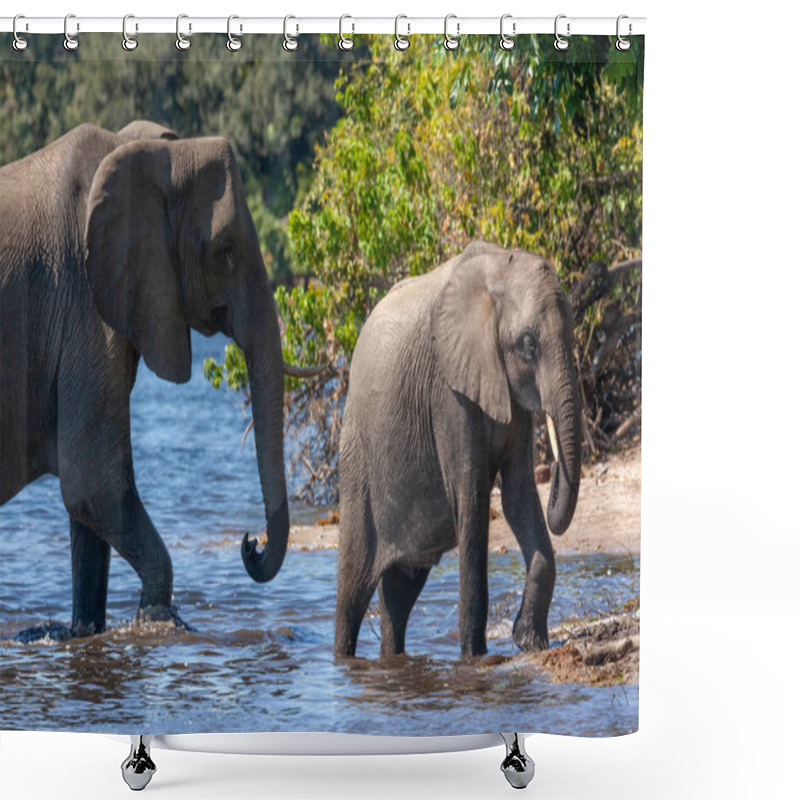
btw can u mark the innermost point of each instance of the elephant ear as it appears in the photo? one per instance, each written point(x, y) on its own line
point(465, 338)
point(129, 260)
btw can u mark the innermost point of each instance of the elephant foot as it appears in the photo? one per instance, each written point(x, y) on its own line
point(517, 766)
point(159, 613)
point(138, 768)
point(54, 631)
point(527, 638)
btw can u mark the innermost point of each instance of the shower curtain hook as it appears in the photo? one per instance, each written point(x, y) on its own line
point(181, 42)
point(70, 42)
point(401, 42)
point(623, 44)
point(128, 42)
point(289, 43)
point(20, 42)
point(451, 42)
point(233, 44)
point(561, 43)
point(507, 42)
point(345, 42)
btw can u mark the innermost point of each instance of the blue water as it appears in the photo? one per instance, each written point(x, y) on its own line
point(261, 659)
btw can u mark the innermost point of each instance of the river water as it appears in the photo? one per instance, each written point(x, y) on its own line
point(261, 656)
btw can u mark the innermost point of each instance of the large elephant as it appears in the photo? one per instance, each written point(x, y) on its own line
point(444, 381)
point(112, 246)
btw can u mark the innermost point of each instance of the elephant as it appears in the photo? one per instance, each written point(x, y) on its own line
point(145, 129)
point(445, 378)
point(112, 246)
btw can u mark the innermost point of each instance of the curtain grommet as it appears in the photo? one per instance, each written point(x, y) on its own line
point(182, 42)
point(70, 42)
point(561, 43)
point(507, 42)
point(401, 42)
point(345, 42)
point(289, 42)
point(20, 43)
point(129, 42)
point(451, 42)
point(623, 44)
point(234, 44)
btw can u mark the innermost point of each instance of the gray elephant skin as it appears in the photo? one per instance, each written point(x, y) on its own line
point(445, 378)
point(112, 246)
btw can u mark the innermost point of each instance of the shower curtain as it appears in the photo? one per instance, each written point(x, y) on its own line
point(292, 341)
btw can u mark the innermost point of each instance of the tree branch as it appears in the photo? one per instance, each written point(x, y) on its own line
point(608, 180)
point(627, 425)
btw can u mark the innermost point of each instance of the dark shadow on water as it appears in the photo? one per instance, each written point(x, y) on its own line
point(425, 683)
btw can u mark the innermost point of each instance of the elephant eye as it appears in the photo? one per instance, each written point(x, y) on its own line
point(527, 347)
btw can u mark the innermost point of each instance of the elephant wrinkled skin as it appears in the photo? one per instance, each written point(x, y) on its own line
point(444, 381)
point(112, 246)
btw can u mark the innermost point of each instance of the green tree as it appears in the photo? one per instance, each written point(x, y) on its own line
point(430, 149)
point(275, 107)
point(530, 148)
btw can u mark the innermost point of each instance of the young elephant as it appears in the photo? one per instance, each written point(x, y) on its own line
point(445, 378)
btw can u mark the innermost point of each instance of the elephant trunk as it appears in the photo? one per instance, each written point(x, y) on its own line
point(262, 352)
point(565, 482)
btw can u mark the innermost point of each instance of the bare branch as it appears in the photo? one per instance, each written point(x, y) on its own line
point(621, 270)
point(293, 371)
point(246, 432)
point(609, 180)
point(627, 425)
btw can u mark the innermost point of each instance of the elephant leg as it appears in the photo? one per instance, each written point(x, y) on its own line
point(473, 563)
point(137, 541)
point(120, 520)
point(523, 510)
point(95, 469)
point(90, 561)
point(530, 626)
point(399, 589)
point(358, 575)
point(352, 601)
point(473, 610)
point(357, 581)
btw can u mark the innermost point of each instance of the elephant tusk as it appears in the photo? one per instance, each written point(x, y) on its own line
point(293, 371)
point(551, 432)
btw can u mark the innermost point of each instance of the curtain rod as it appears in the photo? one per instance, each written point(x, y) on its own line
point(407, 25)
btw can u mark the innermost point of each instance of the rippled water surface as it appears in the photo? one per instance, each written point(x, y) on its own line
point(261, 657)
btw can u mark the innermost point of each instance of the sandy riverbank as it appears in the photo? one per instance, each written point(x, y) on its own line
point(607, 519)
point(601, 651)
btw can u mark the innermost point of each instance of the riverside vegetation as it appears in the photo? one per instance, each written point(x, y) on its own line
point(364, 167)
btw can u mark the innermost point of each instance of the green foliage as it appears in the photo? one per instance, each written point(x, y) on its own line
point(529, 148)
point(233, 370)
point(420, 163)
point(273, 106)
